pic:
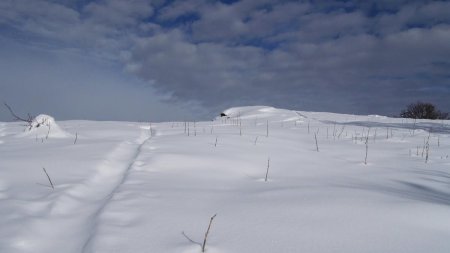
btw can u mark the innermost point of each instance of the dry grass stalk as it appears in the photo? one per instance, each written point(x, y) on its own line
point(207, 232)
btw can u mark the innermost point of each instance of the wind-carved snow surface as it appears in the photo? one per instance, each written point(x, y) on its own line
point(141, 187)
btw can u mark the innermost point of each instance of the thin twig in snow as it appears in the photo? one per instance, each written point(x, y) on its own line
point(317, 145)
point(267, 171)
point(189, 239)
point(51, 183)
point(207, 232)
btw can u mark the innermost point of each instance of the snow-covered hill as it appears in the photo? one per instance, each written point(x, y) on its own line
point(141, 187)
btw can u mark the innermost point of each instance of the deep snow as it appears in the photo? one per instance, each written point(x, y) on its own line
point(141, 187)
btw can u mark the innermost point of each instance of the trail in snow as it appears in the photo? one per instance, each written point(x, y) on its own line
point(71, 218)
point(132, 162)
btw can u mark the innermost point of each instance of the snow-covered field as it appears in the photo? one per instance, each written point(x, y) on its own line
point(140, 187)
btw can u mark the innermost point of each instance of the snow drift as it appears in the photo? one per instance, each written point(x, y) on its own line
point(44, 126)
point(262, 113)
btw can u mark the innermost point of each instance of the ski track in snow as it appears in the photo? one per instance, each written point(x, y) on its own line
point(75, 211)
point(132, 162)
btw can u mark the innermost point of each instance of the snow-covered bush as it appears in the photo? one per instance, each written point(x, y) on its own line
point(44, 126)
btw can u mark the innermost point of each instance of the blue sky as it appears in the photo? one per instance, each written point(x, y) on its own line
point(166, 60)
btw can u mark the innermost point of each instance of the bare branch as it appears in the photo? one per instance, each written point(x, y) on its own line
point(189, 239)
point(16, 117)
point(207, 232)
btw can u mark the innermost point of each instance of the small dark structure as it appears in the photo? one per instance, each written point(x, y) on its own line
point(223, 114)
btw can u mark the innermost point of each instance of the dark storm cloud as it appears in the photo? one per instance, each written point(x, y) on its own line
point(344, 56)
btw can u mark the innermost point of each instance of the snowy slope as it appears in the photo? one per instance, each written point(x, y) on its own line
point(136, 187)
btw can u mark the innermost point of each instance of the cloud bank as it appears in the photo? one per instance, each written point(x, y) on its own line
point(341, 56)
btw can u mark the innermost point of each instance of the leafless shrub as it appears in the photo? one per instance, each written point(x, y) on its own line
point(421, 110)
